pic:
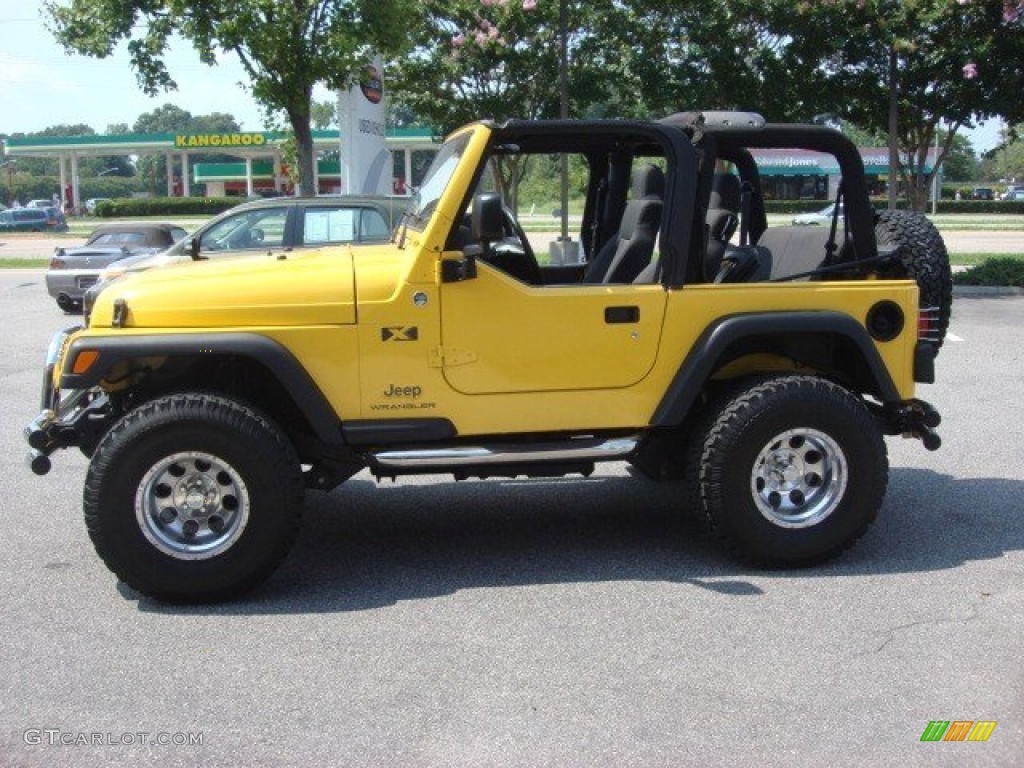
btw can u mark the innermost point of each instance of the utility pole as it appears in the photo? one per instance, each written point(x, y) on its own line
point(563, 93)
point(894, 126)
point(564, 251)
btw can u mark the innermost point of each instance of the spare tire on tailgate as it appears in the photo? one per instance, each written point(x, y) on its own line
point(923, 258)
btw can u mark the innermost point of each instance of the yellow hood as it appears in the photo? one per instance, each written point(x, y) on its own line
point(307, 288)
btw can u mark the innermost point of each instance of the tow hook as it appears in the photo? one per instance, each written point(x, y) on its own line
point(38, 462)
point(915, 418)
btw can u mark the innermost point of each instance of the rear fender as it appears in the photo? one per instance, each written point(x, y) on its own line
point(723, 342)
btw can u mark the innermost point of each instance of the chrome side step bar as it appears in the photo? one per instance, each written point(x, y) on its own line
point(576, 455)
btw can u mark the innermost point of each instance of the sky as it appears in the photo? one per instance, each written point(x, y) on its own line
point(41, 86)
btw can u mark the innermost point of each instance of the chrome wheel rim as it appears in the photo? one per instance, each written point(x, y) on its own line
point(192, 505)
point(799, 478)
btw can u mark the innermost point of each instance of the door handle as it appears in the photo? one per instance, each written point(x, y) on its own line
point(614, 315)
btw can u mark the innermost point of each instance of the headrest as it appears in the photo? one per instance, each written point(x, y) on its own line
point(648, 181)
point(725, 192)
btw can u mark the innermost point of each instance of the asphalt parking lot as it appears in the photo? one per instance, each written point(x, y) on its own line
point(567, 622)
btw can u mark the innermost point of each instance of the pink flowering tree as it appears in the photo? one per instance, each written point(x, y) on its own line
point(498, 59)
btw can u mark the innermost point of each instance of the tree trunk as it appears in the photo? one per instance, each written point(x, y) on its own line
point(301, 127)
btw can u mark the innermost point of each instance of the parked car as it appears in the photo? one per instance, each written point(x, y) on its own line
point(92, 202)
point(824, 216)
point(73, 270)
point(55, 219)
point(29, 220)
point(39, 203)
point(1014, 193)
point(983, 193)
point(278, 225)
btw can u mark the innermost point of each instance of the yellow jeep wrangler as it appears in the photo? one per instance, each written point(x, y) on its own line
point(758, 366)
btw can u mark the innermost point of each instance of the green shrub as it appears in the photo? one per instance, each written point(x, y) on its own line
point(980, 206)
point(166, 206)
point(998, 271)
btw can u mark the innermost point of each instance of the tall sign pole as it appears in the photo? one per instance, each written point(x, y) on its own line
point(365, 159)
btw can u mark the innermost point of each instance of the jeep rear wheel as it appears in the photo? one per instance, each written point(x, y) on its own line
point(193, 498)
point(924, 260)
point(793, 471)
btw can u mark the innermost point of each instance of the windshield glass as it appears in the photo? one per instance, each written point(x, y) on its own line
point(424, 200)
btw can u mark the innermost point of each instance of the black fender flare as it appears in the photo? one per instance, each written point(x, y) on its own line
point(703, 358)
point(273, 355)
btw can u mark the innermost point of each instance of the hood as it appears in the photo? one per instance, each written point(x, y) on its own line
point(309, 288)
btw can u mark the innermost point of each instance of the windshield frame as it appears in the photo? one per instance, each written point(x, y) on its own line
point(438, 179)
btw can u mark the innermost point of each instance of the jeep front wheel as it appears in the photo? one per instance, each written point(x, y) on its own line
point(793, 471)
point(193, 498)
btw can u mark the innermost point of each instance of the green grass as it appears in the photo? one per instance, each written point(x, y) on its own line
point(975, 222)
point(973, 259)
point(23, 263)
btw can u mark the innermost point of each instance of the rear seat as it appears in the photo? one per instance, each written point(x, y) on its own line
point(796, 249)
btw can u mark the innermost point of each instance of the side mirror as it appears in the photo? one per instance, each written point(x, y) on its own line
point(487, 220)
point(193, 248)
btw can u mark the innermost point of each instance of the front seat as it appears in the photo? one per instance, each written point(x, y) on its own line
point(629, 252)
point(722, 219)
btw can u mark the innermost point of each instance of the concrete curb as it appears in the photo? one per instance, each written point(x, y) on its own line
point(982, 291)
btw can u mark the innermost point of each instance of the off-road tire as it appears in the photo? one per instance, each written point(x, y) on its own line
point(808, 436)
point(207, 462)
point(924, 259)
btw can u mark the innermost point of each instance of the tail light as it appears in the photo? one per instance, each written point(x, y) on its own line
point(57, 262)
point(928, 324)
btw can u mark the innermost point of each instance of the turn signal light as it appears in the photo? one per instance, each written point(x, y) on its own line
point(84, 361)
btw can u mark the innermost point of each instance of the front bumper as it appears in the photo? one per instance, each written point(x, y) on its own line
point(72, 418)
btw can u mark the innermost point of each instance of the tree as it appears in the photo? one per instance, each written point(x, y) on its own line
point(285, 46)
point(324, 115)
point(961, 163)
point(917, 62)
point(719, 54)
point(473, 59)
point(168, 118)
point(1006, 162)
point(499, 59)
